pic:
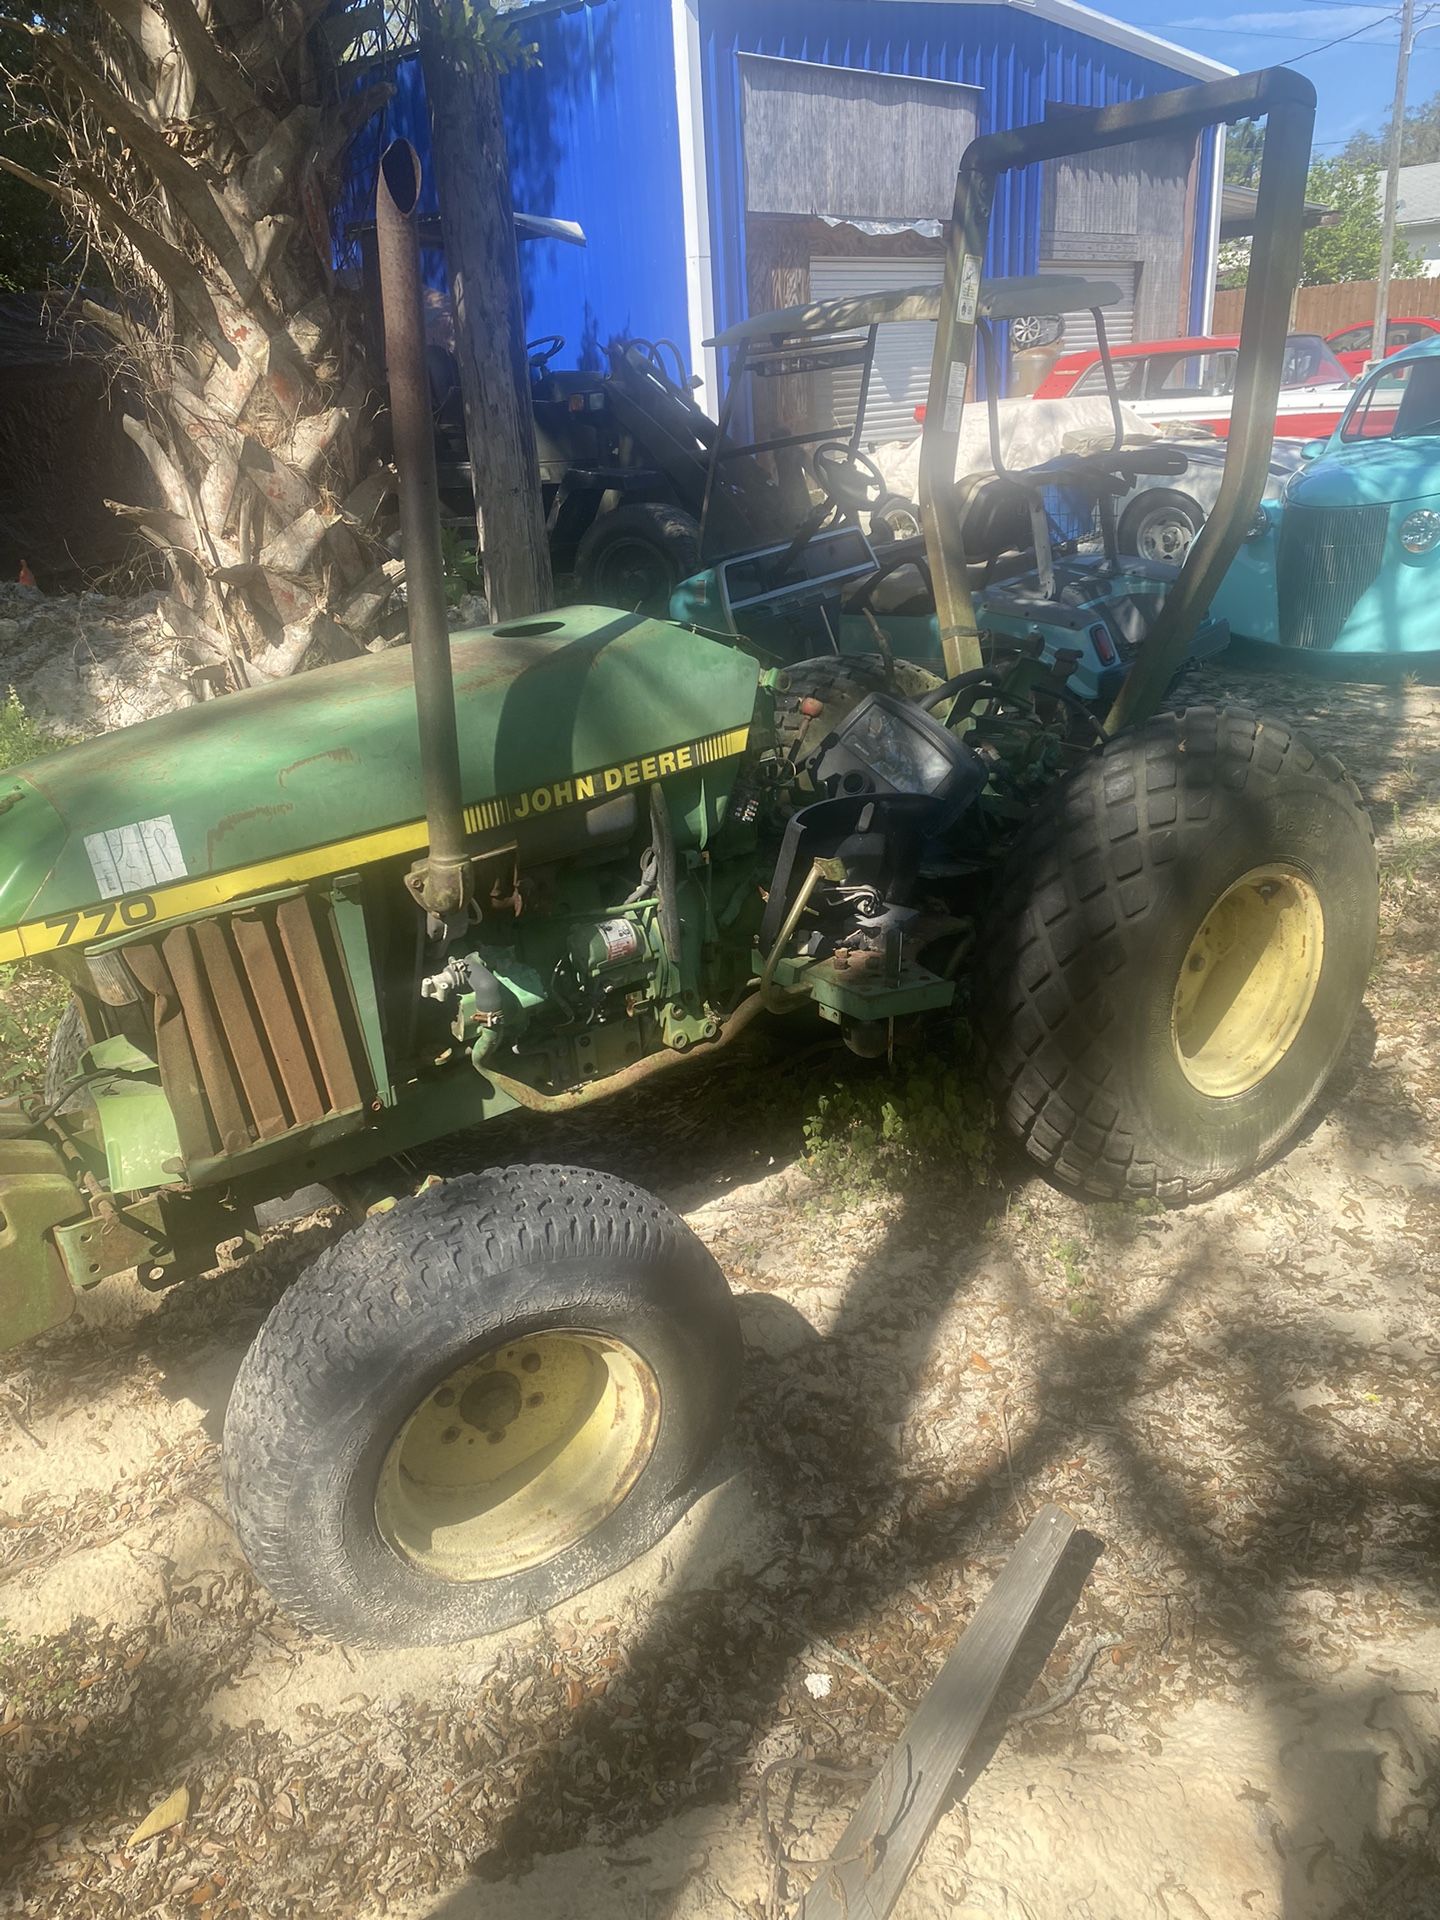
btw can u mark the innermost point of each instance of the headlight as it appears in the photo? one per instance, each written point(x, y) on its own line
point(1420, 531)
point(1260, 525)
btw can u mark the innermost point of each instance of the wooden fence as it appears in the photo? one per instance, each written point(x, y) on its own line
point(1325, 310)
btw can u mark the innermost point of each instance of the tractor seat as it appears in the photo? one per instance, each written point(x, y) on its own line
point(994, 516)
point(1109, 472)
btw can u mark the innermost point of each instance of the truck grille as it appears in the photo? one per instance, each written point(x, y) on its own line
point(255, 1027)
point(1328, 557)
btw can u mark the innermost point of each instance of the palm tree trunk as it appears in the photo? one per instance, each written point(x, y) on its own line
point(201, 143)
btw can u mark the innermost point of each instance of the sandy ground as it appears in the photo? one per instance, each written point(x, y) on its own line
point(1239, 1401)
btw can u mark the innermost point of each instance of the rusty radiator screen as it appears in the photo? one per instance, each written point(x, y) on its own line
point(254, 1025)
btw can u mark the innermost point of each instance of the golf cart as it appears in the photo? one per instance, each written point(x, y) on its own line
point(312, 928)
point(1041, 541)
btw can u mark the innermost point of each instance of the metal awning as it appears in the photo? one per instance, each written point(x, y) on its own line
point(1044, 295)
point(1237, 213)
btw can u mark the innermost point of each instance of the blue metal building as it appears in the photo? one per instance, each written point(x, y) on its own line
point(679, 133)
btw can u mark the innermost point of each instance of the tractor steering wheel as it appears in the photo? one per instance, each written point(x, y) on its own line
point(849, 479)
point(541, 352)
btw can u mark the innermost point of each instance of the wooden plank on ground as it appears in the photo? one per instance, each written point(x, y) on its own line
point(865, 1873)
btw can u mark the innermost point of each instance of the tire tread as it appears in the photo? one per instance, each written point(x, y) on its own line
point(1083, 866)
point(336, 1318)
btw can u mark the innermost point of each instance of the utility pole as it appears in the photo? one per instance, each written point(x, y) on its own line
point(1392, 183)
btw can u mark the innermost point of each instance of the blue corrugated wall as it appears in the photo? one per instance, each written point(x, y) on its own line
point(593, 137)
point(1020, 62)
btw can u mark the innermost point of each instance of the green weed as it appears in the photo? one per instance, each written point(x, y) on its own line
point(463, 571)
point(874, 1133)
point(1073, 1258)
point(20, 738)
point(32, 998)
point(1122, 1220)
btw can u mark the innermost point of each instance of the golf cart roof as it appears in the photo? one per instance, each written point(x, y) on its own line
point(1047, 296)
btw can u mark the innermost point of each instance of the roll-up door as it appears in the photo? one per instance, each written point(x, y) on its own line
point(1119, 320)
point(900, 378)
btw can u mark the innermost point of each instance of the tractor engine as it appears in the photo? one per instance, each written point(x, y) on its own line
point(576, 970)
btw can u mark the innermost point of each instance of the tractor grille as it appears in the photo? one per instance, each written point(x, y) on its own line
point(1328, 557)
point(254, 1025)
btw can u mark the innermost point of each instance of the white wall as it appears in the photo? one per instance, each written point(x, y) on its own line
point(1425, 240)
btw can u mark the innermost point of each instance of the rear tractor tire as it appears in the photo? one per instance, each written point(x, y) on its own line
point(477, 1404)
point(814, 696)
point(1179, 955)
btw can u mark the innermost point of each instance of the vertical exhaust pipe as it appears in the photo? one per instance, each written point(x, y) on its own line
point(442, 881)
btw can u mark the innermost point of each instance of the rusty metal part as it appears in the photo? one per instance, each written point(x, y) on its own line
point(632, 1076)
point(782, 1002)
point(443, 881)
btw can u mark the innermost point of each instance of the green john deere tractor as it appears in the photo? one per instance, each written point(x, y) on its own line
point(305, 936)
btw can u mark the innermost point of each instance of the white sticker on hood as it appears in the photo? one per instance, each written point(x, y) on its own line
point(132, 859)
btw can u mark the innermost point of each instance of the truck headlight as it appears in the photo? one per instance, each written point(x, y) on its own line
point(1260, 525)
point(1420, 531)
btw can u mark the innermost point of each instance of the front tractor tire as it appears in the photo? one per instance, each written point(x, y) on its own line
point(1179, 955)
point(477, 1404)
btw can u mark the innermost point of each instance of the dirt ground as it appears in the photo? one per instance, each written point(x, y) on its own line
point(1239, 1401)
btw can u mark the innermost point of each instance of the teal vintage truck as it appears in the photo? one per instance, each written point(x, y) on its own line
point(1346, 568)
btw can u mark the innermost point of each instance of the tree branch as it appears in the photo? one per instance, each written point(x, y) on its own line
point(173, 267)
point(192, 197)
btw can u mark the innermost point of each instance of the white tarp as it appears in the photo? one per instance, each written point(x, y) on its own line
point(1031, 432)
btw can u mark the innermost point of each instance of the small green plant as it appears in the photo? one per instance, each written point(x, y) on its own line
point(1409, 855)
point(1073, 1259)
point(463, 571)
point(32, 998)
point(873, 1133)
point(20, 738)
point(1123, 1220)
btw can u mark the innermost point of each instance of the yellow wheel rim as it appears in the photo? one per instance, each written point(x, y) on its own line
point(1248, 981)
point(517, 1455)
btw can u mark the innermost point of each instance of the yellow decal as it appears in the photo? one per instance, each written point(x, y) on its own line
point(84, 925)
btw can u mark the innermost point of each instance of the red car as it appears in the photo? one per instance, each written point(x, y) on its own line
point(1191, 382)
point(1351, 346)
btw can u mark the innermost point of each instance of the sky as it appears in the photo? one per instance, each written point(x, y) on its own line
point(1355, 81)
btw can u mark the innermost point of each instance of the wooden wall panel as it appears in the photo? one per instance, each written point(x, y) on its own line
point(849, 142)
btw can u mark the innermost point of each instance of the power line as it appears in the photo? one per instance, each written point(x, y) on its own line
point(1342, 38)
point(1258, 33)
point(1311, 47)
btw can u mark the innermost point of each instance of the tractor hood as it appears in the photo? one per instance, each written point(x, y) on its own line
point(321, 774)
point(1370, 473)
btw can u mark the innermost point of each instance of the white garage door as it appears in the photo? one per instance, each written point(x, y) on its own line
point(900, 378)
point(1119, 320)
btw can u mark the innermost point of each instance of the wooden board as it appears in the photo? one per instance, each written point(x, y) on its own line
point(878, 1848)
